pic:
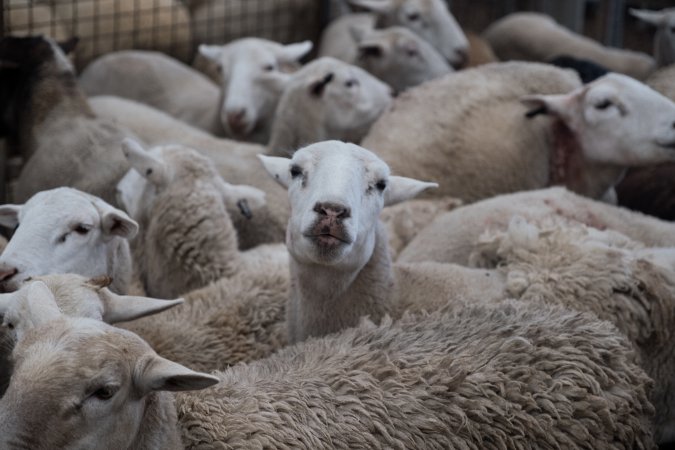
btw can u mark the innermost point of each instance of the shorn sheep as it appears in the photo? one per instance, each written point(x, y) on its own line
point(543, 377)
point(160, 81)
point(664, 39)
point(483, 142)
point(186, 237)
point(529, 36)
point(66, 231)
point(252, 81)
point(327, 99)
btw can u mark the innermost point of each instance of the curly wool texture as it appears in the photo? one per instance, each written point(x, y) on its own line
point(481, 377)
point(598, 272)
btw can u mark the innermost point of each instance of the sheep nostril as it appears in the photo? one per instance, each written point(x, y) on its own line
point(6, 274)
point(332, 209)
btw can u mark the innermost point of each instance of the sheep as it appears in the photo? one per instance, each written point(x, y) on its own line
point(429, 19)
point(340, 263)
point(327, 99)
point(236, 162)
point(187, 238)
point(537, 37)
point(599, 272)
point(65, 230)
point(662, 81)
point(104, 26)
point(507, 375)
point(159, 81)
point(399, 57)
point(457, 230)
point(47, 120)
point(480, 51)
point(664, 39)
point(252, 82)
point(493, 141)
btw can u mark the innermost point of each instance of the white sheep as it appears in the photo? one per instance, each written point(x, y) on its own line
point(664, 39)
point(479, 133)
point(253, 78)
point(187, 238)
point(529, 36)
point(399, 57)
point(106, 25)
point(510, 374)
point(66, 231)
point(339, 258)
point(236, 162)
point(159, 81)
point(327, 99)
point(51, 125)
point(459, 229)
point(429, 19)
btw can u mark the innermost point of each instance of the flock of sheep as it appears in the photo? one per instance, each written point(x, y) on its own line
point(230, 255)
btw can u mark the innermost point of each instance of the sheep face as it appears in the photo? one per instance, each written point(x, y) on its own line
point(79, 383)
point(399, 57)
point(337, 191)
point(617, 121)
point(352, 99)
point(253, 79)
point(664, 39)
point(62, 231)
point(429, 19)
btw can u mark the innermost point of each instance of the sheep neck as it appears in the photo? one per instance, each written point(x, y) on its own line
point(569, 168)
point(159, 425)
point(324, 300)
point(46, 99)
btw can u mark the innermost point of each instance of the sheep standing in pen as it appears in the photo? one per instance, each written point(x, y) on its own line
point(483, 142)
point(187, 238)
point(544, 378)
point(664, 39)
point(159, 81)
point(327, 99)
point(253, 78)
point(66, 231)
point(528, 36)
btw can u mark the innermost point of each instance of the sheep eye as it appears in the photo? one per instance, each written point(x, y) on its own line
point(268, 67)
point(81, 229)
point(10, 325)
point(603, 105)
point(296, 171)
point(381, 185)
point(413, 17)
point(351, 82)
point(104, 393)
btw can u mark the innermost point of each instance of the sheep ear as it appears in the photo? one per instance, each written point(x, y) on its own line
point(371, 50)
point(317, 86)
point(211, 52)
point(293, 52)
point(278, 168)
point(655, 18)
point(121, 308)
point(400, 189)
point(246, 198)
point(115, 222)
point(148, 166)
point(38, 307)
point(9, 215)
point(154, 373)
point(555, 105)
point(376, 6)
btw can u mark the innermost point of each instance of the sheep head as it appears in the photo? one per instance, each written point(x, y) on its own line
point(664, 39)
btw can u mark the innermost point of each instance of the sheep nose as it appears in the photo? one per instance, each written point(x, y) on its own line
point(7, 272)
point(332, 210)
point(461, 57)
point(236, 118)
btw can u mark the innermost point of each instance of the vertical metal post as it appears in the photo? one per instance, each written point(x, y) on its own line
point(615, 23)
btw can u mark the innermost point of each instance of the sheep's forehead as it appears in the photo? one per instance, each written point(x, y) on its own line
point(250, 51)
point(178, 156)
point(424, 6)
point(341, 159)
point(627, 88)
point(59, 205)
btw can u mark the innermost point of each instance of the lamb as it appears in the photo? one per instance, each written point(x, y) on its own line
point(162, 25)
point(429, 19)
point(480, 51)
point(47, 120)
point(664, 39)
point(415, 383)
point(62, 231)
point(460, 228)
point(493, 140)
point(187, 238)
point(339, 261)
point(159, 81)
point(252, 83)
point(399, 57)
point(621, 282)
point(537, 37)
point(327, 99)
point(236, 162)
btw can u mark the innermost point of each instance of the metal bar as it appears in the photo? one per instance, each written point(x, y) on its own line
point(615, 23)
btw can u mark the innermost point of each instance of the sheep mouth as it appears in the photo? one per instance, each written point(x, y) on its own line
point(328, 237)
